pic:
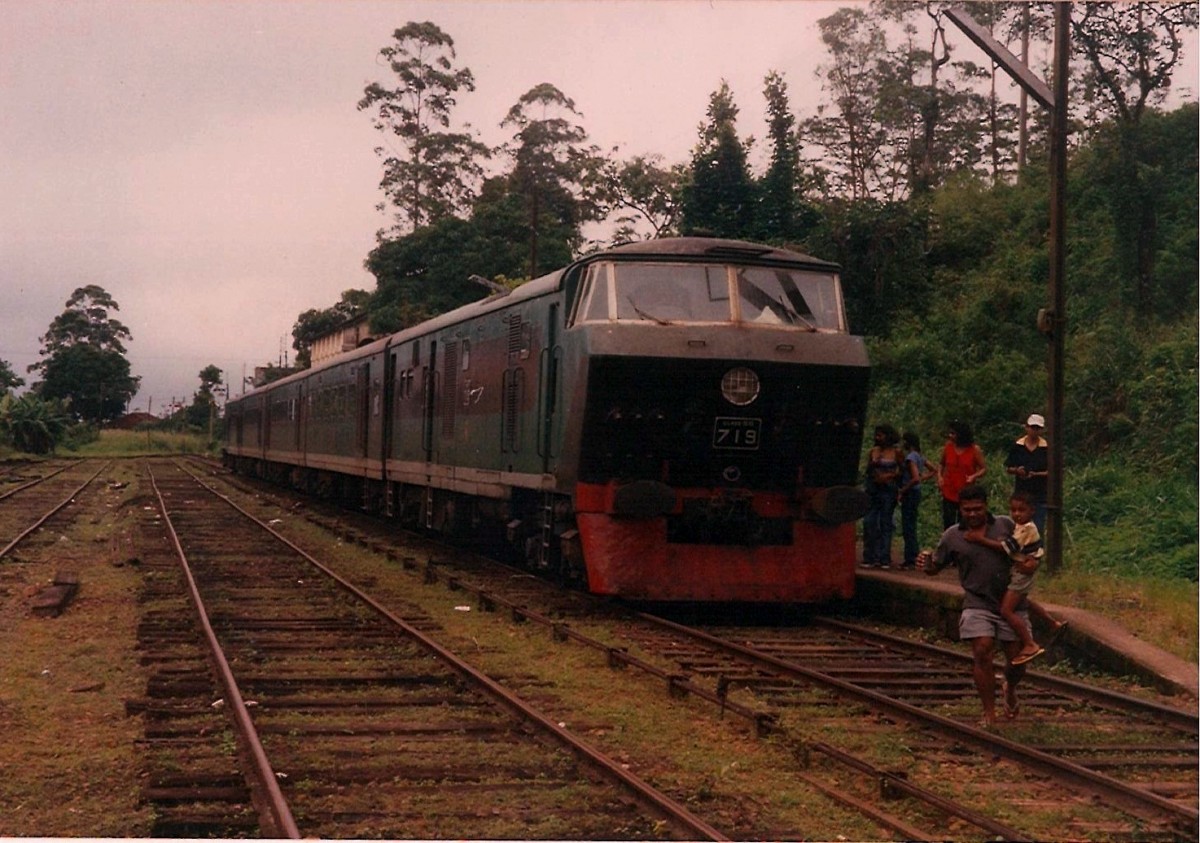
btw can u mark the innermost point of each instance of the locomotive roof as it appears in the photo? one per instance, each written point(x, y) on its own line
point(708, 248)
point(664, 248)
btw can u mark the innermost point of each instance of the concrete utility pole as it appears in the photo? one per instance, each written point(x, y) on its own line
point(1052, 320)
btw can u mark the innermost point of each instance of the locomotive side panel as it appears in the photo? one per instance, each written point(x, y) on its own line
point(372, 396)
point(471, 402)
point(333, 429)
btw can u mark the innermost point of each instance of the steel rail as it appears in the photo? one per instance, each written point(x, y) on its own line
point(765, 722)
point(1125, 794)
point(1175, 718)
point(33, 482)
point(4, 551)
point(277, 806)
point(897, 784)
point(677, 684)
point(669, 807)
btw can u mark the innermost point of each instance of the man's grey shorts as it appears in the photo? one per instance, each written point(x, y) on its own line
point(984, 623)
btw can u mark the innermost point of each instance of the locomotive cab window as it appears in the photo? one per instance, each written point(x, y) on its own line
point(682, 293)
point(808, 300)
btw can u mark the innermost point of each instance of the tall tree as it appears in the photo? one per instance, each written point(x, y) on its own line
point(211, 378)
point(779, 206)
point(203, 410)
point(429, 271)
point(1132, 51)
point(555, 170)
point(434, 172)
point(720, 197)
point(848, 127)
point(83, 358)
point(645, 193)
point(901, 119)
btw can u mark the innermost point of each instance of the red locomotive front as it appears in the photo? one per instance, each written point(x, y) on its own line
point(722, 427)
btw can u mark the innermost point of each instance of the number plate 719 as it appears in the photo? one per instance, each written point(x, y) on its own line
point(737, 433)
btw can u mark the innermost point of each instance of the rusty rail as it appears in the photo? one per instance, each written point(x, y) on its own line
point(277, 806)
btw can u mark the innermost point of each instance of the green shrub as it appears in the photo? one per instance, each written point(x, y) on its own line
point(30, 424)
point(78, 435)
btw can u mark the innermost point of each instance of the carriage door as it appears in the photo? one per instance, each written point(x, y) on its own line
point(390, 416)
point(298, 417)
point(428, 384)
point(265, 423)
point(548, 366)
point(364, 407)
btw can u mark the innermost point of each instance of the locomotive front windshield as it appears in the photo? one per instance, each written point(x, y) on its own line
point(680, 293)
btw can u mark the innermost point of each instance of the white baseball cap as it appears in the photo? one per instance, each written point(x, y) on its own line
point(1035, 421)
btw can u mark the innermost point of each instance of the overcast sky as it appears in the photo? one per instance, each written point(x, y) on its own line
point(206, 164)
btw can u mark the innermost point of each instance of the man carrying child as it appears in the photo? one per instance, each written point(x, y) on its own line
point(976, 547)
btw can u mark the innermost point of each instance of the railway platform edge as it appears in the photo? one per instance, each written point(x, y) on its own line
point(1089, 639)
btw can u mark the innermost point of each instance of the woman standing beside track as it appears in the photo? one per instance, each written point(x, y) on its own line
point(961, 464)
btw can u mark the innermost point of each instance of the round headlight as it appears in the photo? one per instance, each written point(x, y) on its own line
point(740, 386)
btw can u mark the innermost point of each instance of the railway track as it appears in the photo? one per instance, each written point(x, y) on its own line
point(1071, 744)
point(1090, 763)
point(27, 506)
point(339, 717)
point(15, 476)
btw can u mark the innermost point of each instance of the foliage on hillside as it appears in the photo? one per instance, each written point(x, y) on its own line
point(961, 343)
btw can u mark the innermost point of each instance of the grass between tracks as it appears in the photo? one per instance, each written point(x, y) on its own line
point(68, 753)
point(135, 443)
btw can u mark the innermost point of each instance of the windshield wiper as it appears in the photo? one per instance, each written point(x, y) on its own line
point(793, 315)
point(789, 289)
point(646, 315)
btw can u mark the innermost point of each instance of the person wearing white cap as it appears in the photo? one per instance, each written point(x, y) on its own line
point(1028, 462)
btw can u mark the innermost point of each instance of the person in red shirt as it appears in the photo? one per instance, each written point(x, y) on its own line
point(961, 464)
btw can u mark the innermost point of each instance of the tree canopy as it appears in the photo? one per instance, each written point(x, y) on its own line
point(8, 378)
point(433, 173)
point(719, 198)
point(313, 323)
point(83, 358)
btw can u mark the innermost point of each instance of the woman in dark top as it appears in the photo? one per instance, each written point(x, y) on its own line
point(883, 483)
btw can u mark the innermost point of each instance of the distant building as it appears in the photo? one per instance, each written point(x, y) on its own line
point(264, 375)
point(131, 420)
point(347, 337)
